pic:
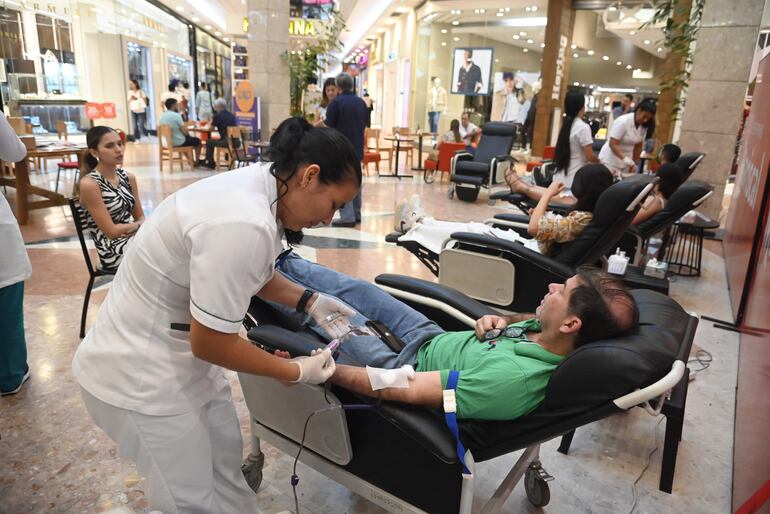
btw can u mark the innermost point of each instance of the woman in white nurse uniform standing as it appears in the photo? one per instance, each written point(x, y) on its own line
point(626, 137)
point(158, 389)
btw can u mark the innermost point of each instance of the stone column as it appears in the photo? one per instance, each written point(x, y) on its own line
point(268, 37)
point(720, 73)
point(554, 70)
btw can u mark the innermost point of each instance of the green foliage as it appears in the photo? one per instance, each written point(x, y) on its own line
point(678, 38)
point(312, 58)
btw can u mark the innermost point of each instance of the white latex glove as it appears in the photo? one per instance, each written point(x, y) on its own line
point(628, 161)
point(316, 369)
point(331, 315)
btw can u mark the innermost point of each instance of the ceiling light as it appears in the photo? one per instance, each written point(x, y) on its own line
point(195, 19)
point(525, 50)
point(455, 23)
point(497, 60)
point(482, 11)
point(632, 32)
point(660, 49)
point(507, 9)
point(217, 33)
point(179, 8)
point(619, 63)
point(516, 36)
point(542, 45)
point(612, 8)
point(605, 58)
point(530, 41)
point(501, 10)
point(456, 38)
point(207, 27)
point(647, 41)
point(500, 14)
point(534, 8)
point(443, 43)
point(522, 33)
point(575, 55)
point(590, 52)
point(629, 67)
point(528, 9)
point(227, 39)
point(444, 31)
point(574, 46)
point(576, 83)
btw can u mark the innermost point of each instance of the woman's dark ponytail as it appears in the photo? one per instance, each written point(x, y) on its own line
point(573, 104)
point(93, 137)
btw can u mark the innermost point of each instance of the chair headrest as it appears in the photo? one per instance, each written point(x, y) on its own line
point(689, 161)
point(682, 201)
point(496, 139)
point(611, 218)
point(498, 129)
point(604, 370)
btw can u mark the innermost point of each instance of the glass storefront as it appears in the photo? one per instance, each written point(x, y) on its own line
point(214, 65)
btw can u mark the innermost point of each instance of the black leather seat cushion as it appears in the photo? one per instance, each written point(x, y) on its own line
point(472, 168)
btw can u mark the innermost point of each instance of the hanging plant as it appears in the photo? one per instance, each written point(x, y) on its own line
point(678, 38)
point(312, 57)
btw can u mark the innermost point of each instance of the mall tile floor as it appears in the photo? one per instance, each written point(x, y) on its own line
point(55, 460)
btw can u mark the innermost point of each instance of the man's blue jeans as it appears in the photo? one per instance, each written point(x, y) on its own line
point(371, 303)
point(351, 212)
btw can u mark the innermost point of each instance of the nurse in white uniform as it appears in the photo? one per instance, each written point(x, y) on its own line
point(623, 148)
point(157, 387)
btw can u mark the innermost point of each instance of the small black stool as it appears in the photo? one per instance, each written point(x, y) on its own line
point(685, 249)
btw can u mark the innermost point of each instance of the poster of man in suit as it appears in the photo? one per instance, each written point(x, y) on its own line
point(472, 71)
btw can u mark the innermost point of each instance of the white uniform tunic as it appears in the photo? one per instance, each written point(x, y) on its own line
point(205, 251)
point(624, 129)
point(579, 137)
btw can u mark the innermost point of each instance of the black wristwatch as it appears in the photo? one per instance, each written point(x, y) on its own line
point(302, 303)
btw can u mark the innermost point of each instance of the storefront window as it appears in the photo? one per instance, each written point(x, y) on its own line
point(214, 65)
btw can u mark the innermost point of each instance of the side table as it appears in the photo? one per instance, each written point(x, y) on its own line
point(685, 248)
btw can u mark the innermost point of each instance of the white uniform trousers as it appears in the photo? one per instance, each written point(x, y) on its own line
point(192, 461)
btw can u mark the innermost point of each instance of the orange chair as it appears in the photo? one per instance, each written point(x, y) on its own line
point(444, 161)
point(549, 152)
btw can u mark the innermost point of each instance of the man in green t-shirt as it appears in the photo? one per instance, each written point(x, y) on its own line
point(501, 377)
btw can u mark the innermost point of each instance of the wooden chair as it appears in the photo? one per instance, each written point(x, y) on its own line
point(240, 154)
point(404, 147)
point(18, 124)
point(223, 154)
point(371, 151)
point(171, 153)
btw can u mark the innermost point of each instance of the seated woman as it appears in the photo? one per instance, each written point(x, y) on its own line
point(545, 227)
point(503, 384)
point(451, 136)
point(573, 151)
point(110, 196)
point(670, 179)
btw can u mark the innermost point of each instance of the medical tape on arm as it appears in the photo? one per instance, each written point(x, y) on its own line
point(398, 378)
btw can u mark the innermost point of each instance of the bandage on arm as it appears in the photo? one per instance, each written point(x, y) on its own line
point(425, 389)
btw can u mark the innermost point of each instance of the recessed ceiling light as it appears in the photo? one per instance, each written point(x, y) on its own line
point(534, 8)
point(179, 8)
point(516, 36)
point(542, 45)
point(647, 41)
point(612, 8)
point(605, 58)
point(619, 63)
point(217, 33)
point(530, 41)
point(575, 55)
point(507, 9)
point(227, 39)
point(455, 23)
point(195, 19)
point(632, 32)
point(525, 50)
point(629, 67)
point(574, 46)
point(444, 31)
point(590, 52)
point(522, 33)
point(497, 60)
point(443, 43)
point(660, 49)
point(528, 9)
point(456, 38)
point(207, 27)
point(500, 14)
point(576, 83)
point(501, 10)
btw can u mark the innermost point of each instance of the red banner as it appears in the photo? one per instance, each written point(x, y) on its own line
point(108, 110)
point(93, 110)
point(744, 227)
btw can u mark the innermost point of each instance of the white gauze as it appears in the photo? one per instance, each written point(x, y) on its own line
point(398, 378)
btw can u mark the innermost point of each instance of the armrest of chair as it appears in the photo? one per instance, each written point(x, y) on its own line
point(512, 218)
point(432, 294)
point(505, 157)
point(517, 251)
point(462, 155)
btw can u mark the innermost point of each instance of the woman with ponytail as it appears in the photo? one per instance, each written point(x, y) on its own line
point(573, 151)
point(110, 196)
point(152, 368)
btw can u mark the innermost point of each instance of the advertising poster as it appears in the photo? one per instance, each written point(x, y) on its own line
point(246, 108)
point(472, 71)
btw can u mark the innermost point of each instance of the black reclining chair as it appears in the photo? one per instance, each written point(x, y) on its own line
point(507, 273)
point(687, 197)
point(689, 162)
point(471, 172)
point(411, 464)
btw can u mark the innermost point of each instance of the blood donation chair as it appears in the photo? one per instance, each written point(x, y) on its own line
point(471, 172)
point(689, 162)
point(505, 273)
point(404, 458)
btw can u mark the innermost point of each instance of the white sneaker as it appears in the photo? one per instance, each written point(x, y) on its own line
point(402, 217)
point(23, 379)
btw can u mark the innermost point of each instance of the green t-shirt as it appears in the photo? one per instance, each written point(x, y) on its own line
point(500, 379)
point(175, 121)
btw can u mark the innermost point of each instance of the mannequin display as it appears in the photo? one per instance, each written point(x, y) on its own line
point(437, 104)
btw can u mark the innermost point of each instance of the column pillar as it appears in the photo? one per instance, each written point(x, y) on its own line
point(554, 70)
point(720, 74)
point(268, 39)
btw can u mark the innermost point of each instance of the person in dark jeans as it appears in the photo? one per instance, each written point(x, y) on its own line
point(348, 114)
point(222, 120)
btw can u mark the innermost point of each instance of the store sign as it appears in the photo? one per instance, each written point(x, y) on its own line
point(557, 80)
point(303, 28)
point(247, 107)
point(46, 7)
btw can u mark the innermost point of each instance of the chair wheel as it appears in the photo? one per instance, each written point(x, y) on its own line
point(252, 471)
point(451, 194)
point(491, 202)
point(536, 487)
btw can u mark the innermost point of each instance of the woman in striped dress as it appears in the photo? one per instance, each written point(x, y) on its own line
point(110, 196)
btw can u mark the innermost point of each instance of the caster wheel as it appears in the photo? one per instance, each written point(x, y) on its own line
point(450, 194)
point(537, 489)
point(252, 471)
point(491, 202)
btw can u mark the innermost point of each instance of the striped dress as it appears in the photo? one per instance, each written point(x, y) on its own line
point(120, 203)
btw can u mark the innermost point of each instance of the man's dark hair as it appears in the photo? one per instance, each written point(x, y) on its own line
point(170, 103)
point(670, 152)
point(671, 177)
point(604, 306)
point(469, 51)
point(629, 96)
